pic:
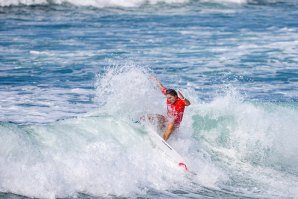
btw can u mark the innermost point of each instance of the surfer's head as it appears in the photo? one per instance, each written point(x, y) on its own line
point(171, 95)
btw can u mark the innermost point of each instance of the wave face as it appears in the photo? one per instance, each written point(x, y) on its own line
point(247, 149)
point(99, 156)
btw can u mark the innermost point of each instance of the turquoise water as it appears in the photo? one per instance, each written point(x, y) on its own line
point(74, 75)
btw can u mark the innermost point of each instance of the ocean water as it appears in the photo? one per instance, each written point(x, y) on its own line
point(74, 78)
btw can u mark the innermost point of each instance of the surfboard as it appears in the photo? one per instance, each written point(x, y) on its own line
point(167, 150)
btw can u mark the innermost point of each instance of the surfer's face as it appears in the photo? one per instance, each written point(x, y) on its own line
point(171, 98)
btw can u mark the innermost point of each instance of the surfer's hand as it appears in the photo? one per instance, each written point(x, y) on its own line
point(151, 77)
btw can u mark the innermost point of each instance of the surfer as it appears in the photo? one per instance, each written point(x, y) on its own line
point(176, 103)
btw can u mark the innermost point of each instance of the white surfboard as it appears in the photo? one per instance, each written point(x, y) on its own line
point(159, 143)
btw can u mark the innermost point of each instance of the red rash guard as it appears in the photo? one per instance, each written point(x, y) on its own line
point(175, 110)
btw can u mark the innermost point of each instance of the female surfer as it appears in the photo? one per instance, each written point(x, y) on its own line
point(176, 103)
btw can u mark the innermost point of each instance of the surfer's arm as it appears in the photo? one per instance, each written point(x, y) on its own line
point(169, 130)
point(161, 87)
point(186, 101)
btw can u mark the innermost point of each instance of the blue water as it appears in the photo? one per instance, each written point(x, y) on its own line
point(74, 74)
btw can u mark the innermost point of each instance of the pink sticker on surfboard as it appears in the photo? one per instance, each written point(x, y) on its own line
point(181, 164)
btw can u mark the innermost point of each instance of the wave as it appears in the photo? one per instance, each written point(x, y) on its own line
point(129, 3)
point(98, 155)
point(241, 147)
point(243, 150)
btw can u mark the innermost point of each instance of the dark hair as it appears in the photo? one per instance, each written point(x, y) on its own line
point(171, 92)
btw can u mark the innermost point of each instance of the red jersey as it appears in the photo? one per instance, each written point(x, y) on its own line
point(175, 110)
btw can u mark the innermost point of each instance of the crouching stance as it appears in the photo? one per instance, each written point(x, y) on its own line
point(176, 103)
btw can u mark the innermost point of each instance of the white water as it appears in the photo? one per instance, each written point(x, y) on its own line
point(101, 154)
point(243, 147)
point(255, 142)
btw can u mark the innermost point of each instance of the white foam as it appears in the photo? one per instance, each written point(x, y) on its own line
point(256, 143)
point(99, 156)
point(126, 90)
point(33, 104)
point(34, 52)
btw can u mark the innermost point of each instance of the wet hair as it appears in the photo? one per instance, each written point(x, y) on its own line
point(171, 92)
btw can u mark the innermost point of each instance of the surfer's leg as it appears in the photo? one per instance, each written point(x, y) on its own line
point(155, 119)
point(162, 121)
point(168, 131)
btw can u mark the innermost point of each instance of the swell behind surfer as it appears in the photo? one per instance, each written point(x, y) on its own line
point(176, 103)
